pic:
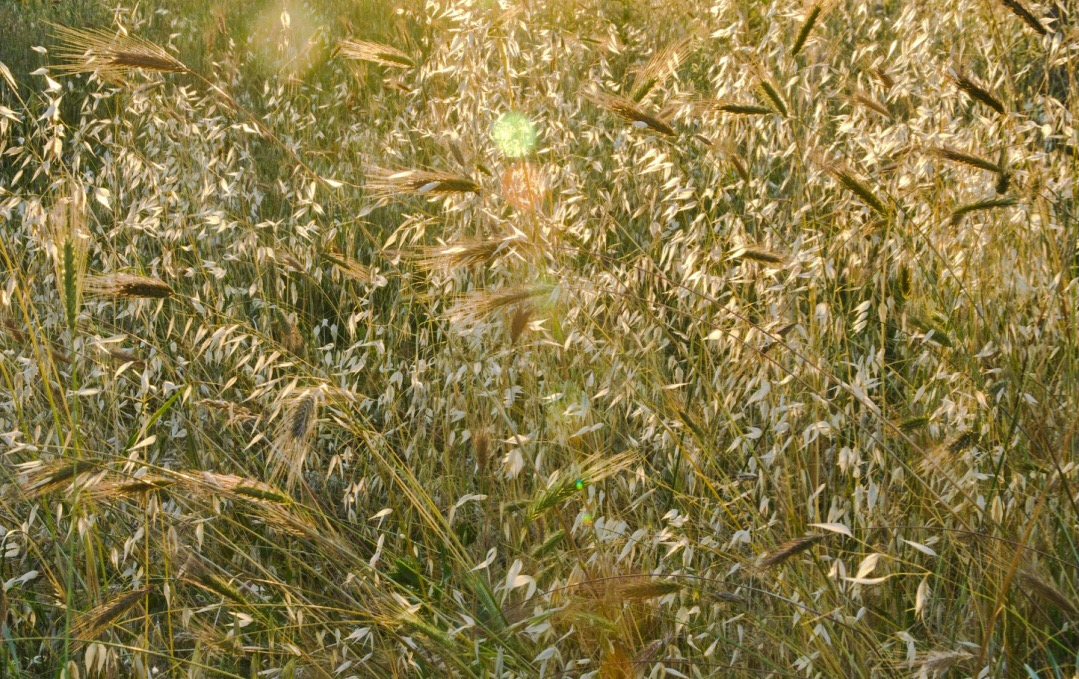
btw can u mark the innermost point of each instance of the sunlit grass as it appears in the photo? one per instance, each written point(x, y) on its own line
point(541, 339)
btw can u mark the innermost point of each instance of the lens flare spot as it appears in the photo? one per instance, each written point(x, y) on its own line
point(524, 186)
point(514, 134)
point(286, 38)
point(580, 484)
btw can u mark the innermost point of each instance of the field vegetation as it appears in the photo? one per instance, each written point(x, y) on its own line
point(539, 338)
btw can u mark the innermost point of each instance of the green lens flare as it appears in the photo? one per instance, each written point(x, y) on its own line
point(580, 484)
point(514, 134)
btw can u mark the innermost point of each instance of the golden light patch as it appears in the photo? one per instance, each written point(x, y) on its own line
point(524, 186)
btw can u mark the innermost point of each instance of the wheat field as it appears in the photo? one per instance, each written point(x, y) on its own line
point(539, 338)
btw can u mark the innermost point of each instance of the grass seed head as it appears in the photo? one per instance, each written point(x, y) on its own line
point(388, 183)
point(978, 92)
point(789, 549)
point(629, 110)
point(375, 53)
point(128, 285)
point(112, 55)
point(1020, 10)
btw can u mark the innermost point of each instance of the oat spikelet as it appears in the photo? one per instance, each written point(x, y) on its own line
point(977, 92)
point(629, 110)
point(92, 624)
point(375, 53)
point(128, 285)
point(387, 183)
point(111, 55)
point(789, 549)
point(660, 67)
point(1019, 9)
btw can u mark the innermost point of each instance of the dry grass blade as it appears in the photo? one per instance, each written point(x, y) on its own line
point(635, 114)
point(1020, 10)
point(375, 53)
point(387, 183)
point(128, 285)
point(5, 74)
point(111, 54)
point(92, 624)
point(978, 92)
point(660, 67)
point(789, 549)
